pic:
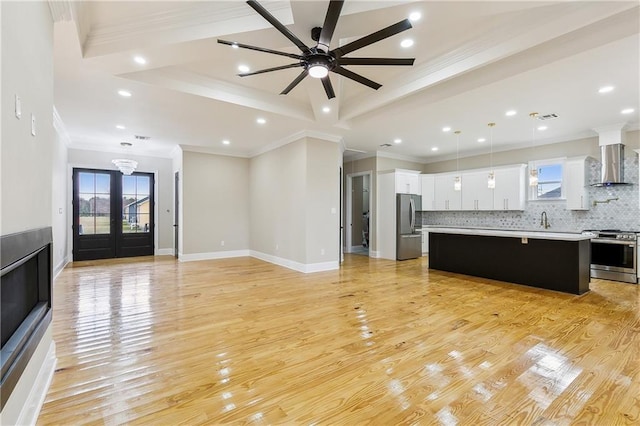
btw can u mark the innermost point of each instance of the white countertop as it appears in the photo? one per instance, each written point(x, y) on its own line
point(540, 235)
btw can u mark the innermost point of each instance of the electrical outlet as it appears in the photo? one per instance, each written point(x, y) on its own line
point(33, 125)
point(322, 252)
point(277, 247)
point(222, 243)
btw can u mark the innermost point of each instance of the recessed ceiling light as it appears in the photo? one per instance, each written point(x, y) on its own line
point(542, 128)
point(415, 16)
point(243, 68)
point(326, 109)
point(481, 140)
point(606, 89)
point(627, 111)
point(225, 142)
point(126, 144)
point(120, 126)
point(139, 60)
point(446, 129)
point(397, 140)
point(407, 42)
point(511, 113)
point(261, 120)
point(124, 93)
point(435, 148)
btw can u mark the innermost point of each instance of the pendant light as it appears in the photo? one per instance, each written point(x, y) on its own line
point(491, 181)
point(533, 170)
point(457, 182)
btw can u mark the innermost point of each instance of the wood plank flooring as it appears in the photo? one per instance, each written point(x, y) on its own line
point(154, 341)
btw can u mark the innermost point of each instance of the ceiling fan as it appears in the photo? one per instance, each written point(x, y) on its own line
point(319, 60)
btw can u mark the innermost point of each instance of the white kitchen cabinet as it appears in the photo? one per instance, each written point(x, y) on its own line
point(575, 184)
point(476, 194)
point(408, 182)
point(427, 186)
point(447, 198)
point(510, 191)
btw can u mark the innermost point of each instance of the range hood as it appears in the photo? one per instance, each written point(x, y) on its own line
point(611, 155)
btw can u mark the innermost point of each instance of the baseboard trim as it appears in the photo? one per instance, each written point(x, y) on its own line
point(59, 267)
point(164, 252)
point(213, 255)
point(305, 268)
point(35, 399)
point(374, 254)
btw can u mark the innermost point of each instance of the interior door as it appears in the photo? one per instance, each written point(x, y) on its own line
point(113, 214)
point(176, 210)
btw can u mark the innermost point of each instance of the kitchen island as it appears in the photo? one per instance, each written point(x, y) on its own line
point(549, 260)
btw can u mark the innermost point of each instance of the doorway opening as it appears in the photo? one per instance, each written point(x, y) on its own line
point(359, 202)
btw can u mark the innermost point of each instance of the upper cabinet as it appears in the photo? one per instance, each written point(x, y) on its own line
point(476, 194)
point(408, 182)
point(428, 186)
point(446, 197)
point(510, 191)
point(576, 183)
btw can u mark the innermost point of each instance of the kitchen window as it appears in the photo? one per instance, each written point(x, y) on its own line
point(550, 180)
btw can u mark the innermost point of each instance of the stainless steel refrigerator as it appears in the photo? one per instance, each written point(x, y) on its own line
point(408, 227)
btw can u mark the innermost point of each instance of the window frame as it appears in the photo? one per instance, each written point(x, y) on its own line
point(537, 164)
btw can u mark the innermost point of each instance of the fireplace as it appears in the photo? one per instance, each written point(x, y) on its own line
point(25, 296)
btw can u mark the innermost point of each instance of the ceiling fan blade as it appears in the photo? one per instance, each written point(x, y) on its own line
point(294, 83)
point(356, 77)
point(330, 21)
point(372, 38)
point(260, 49)
point(328, 87)
point(278, 25)
point(282, 67)
point(375, 61)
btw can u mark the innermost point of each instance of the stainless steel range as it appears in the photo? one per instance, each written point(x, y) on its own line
point(614, 255)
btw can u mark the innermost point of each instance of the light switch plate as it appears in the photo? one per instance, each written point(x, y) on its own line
point(18, 107)
point(33, 125)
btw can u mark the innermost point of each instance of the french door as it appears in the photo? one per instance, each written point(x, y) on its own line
point(112, 214)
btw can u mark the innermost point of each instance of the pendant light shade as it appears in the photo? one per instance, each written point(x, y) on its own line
point(491, 180)
point(457, 181)
point(533, 171)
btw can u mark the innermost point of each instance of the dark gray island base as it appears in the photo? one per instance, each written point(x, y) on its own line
point(553, 264)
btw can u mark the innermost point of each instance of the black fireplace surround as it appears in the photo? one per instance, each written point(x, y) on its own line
point(25, 298)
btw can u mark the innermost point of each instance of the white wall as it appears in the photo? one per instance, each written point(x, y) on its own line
point(294, 205)
point(322, 202)
point(163, 169)
point(27, 71)
point(278, 199)
point(26, 31)
point(215, 195)
point(60, 204)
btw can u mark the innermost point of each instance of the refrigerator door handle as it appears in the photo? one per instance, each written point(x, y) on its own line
point(413, 215)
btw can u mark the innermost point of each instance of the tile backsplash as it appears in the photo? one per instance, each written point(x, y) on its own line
point(623, 213)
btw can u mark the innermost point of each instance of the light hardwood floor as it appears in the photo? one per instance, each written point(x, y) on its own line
point(154, 341)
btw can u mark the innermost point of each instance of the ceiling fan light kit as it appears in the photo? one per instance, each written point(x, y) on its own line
point(318, 61)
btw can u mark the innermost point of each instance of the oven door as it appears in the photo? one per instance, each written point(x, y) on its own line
point(613, 255)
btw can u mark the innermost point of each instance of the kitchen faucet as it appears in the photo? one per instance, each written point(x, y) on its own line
point(544, 221)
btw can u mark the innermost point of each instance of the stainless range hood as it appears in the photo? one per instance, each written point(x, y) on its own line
point(611, 155)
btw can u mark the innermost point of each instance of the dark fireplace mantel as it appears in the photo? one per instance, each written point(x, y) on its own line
point(25, 295)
